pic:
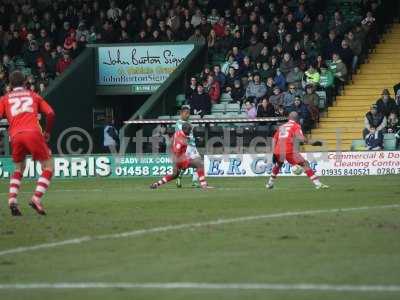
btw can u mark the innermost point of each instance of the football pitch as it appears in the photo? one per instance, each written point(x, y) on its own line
point(117, 239)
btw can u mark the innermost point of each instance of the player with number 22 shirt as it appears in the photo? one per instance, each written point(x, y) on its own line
point(21, 108)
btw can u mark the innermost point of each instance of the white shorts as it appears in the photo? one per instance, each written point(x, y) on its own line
point(192, 153)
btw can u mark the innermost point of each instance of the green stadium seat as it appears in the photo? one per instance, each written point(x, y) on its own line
point(225, 98)
point(322, 99)
point(218, 108)
point(358, 145)
point(233, 107)
point(164, 117)
point(389, 141)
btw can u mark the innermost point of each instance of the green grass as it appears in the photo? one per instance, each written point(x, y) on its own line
point(357, 247)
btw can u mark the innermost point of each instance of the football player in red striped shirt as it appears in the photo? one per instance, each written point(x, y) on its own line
point(181, 160)
point(21, 108)
point(284, 145)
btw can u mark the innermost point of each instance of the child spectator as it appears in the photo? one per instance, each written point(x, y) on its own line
point(374, 139)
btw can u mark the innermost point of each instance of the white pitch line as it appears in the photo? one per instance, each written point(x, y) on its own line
point(141, 232)
point(205, 286)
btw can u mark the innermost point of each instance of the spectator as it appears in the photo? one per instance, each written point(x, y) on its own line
point(256, 89)
point(355, 44)
point(191, 89)
point(230, 63)
point(294, 77)
point(374, 139)
point(263, 57)
point(219, 27)
point(266, 72)
point(211, 43)
point(197, 37)
point(265, 110)
point(255, 48)
point(277, 98)
point(245, 68)
point(312, 76)
point(311, 99)
point(393, 124)
point(280, 112)
point(213, 89)
point(331, 45)
point(339, 70)
point(237, 93)
point(374, 119)
point(289, 96)
point(326, 82)
point(219, 76)
point(230, 79)
point(398, 101)
point(213, 17)
point(197, 18)
point(280, 80)
point(250, 109)
point(386, 104)
point(63, 63)
point(303, 112)
point(287, 64)
point(270, 86)
point(200, 103)
point(204, 27)
point(346, 54)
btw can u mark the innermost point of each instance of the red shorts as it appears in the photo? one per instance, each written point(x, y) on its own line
point(183, 164)
point(291, 158)
point(29, 142)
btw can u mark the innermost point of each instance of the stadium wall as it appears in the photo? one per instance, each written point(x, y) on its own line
point(73, 96)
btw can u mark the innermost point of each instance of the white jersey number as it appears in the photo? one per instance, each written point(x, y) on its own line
point(20, 105)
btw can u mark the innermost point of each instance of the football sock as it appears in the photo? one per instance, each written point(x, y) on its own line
point(202, 178)
point(274, 174)
point(314, 178)
point(195, 177)
point(42, 185)
point(15, 183)
point(165, 179)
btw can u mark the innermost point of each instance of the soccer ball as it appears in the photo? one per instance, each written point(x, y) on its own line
point(297, 170)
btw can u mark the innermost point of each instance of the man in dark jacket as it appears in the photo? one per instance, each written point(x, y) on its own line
point(386, 104)
point(200, 104)
point(303, 112)
point(374, 119)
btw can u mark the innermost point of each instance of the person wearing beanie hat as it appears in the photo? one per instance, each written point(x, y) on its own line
point(386, 104)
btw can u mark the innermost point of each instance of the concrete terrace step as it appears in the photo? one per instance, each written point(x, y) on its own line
point(335, 130)
point(389, 77)
point(381, 71)
point(345, 114)
point(367, 93)
point(344, 136)
point(337, 124)
point(354, 102)
point(341, 108)
point(340, 118)
point(355, 98)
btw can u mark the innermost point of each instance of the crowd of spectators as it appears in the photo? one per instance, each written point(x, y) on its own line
point(382, 118)
point(278, 50)
point(278, 56)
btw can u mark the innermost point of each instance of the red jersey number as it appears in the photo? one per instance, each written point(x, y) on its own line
point(20, 105)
